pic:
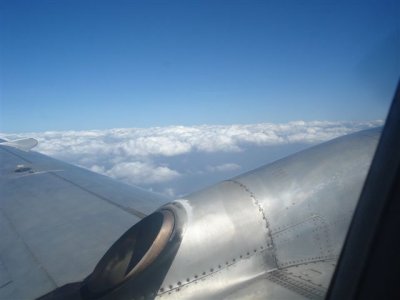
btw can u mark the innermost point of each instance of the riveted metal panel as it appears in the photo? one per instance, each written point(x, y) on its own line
point(298, 209)
point(224, 227)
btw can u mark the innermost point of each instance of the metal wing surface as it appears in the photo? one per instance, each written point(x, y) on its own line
point(273, 233)
point(57, 220)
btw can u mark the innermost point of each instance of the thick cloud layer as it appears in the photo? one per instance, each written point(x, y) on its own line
point(178, 159)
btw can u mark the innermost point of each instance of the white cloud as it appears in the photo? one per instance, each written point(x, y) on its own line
point(223, 167)
point(139, 172)
point(169, 192)
point(148, 156)
point(177, 140)
point(98, 169)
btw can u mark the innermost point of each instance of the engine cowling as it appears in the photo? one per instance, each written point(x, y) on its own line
point(282, 226)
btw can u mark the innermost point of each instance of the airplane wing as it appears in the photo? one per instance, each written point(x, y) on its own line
point(57, 220)
point(25, 144)
point(272, 233)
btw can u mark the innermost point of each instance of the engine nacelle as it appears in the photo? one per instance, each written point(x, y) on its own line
point(278, 230)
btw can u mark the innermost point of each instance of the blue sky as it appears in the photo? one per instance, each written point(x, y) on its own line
point(75, 65)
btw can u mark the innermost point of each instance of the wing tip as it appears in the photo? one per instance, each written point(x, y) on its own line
point(24, 144)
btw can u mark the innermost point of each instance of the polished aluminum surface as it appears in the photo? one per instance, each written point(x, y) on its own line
point(282, 225)
point(273, 233)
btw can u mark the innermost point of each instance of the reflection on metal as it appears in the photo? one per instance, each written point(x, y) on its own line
point(313, 233)
point(132, 252)
point(273, 233)
point(281, 226)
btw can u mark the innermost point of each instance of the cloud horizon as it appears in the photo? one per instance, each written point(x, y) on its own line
point(175, 160)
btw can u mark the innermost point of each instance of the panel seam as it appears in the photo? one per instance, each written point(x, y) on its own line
point(264, 217)
point(129, 210)
point(15, 154)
